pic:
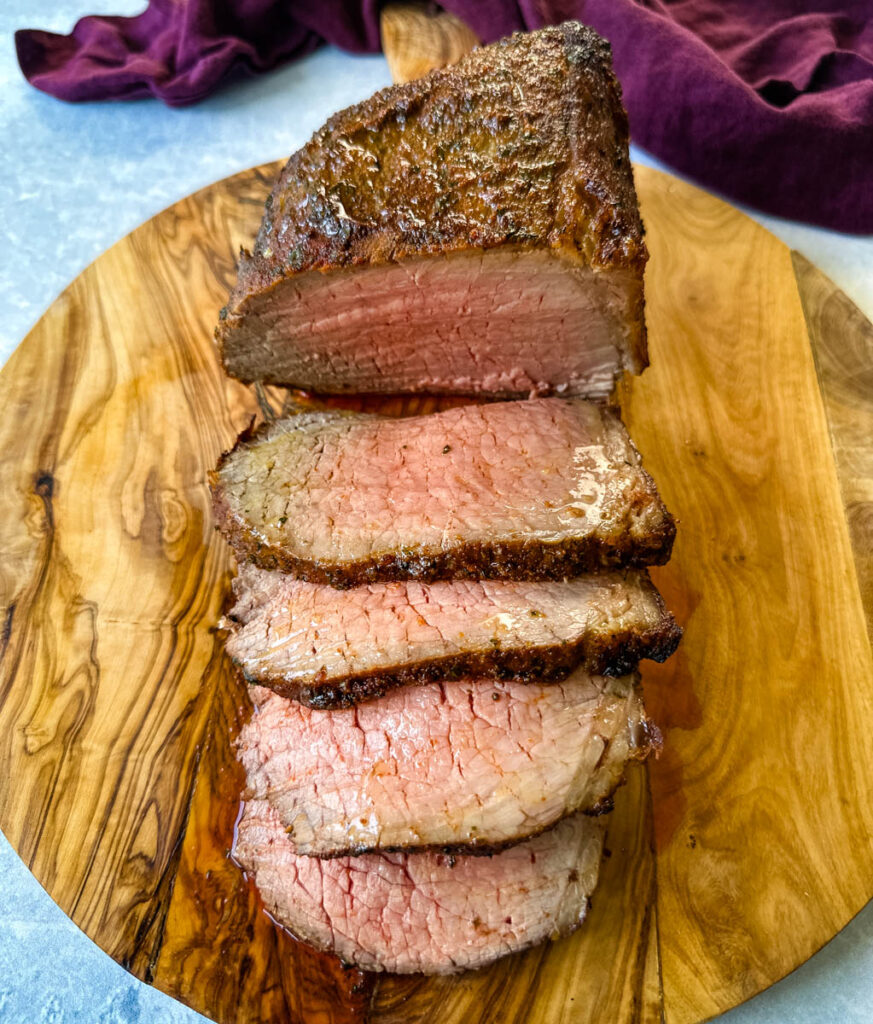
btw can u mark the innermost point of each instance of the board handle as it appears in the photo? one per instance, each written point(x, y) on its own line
point(418, 37)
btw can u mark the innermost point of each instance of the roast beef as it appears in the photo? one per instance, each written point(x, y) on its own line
point(474, 231)
point(329, 648)
point(470, 765)
point(431, 913)
point(539, 489)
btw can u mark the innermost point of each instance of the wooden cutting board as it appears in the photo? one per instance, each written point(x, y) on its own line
point(732, 859)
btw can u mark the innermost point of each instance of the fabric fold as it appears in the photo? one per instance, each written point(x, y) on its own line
point(769, 104)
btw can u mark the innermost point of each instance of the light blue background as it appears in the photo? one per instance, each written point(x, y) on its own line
point(74, 179)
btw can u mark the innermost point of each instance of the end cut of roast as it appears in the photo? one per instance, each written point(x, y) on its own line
point(539, 489)
point(329, 648)
point(474, 231)
point(429, 913)
point(471, 765)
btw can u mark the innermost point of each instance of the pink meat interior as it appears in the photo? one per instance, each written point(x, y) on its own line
point(505, 322)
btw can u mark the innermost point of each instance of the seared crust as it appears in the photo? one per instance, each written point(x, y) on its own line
point(522, 143)
point(614, 654)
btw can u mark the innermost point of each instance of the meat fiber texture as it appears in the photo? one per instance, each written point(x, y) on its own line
point(472, 764)
point(330, 648)
point(473, 232)
point(539, 489)
point(428, 913)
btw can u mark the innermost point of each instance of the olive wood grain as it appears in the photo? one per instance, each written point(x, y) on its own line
point(766, 708)
point(418, 37)
point(748, 847)
point(842, 344)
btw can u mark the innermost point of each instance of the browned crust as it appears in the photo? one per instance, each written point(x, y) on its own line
point(518, 560)
point(522, 143)
point(613, 654)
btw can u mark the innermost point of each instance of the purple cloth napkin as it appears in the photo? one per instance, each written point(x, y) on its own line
point(770, 103)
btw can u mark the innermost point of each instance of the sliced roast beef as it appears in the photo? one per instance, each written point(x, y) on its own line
point(429, 913)
point(329, 648)
point(540, 489)
point(474, 231)
point(470, 765)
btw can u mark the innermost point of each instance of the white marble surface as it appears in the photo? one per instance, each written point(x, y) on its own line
point(72, 181)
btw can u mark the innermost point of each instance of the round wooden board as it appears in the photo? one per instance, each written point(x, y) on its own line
point(744, 848)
